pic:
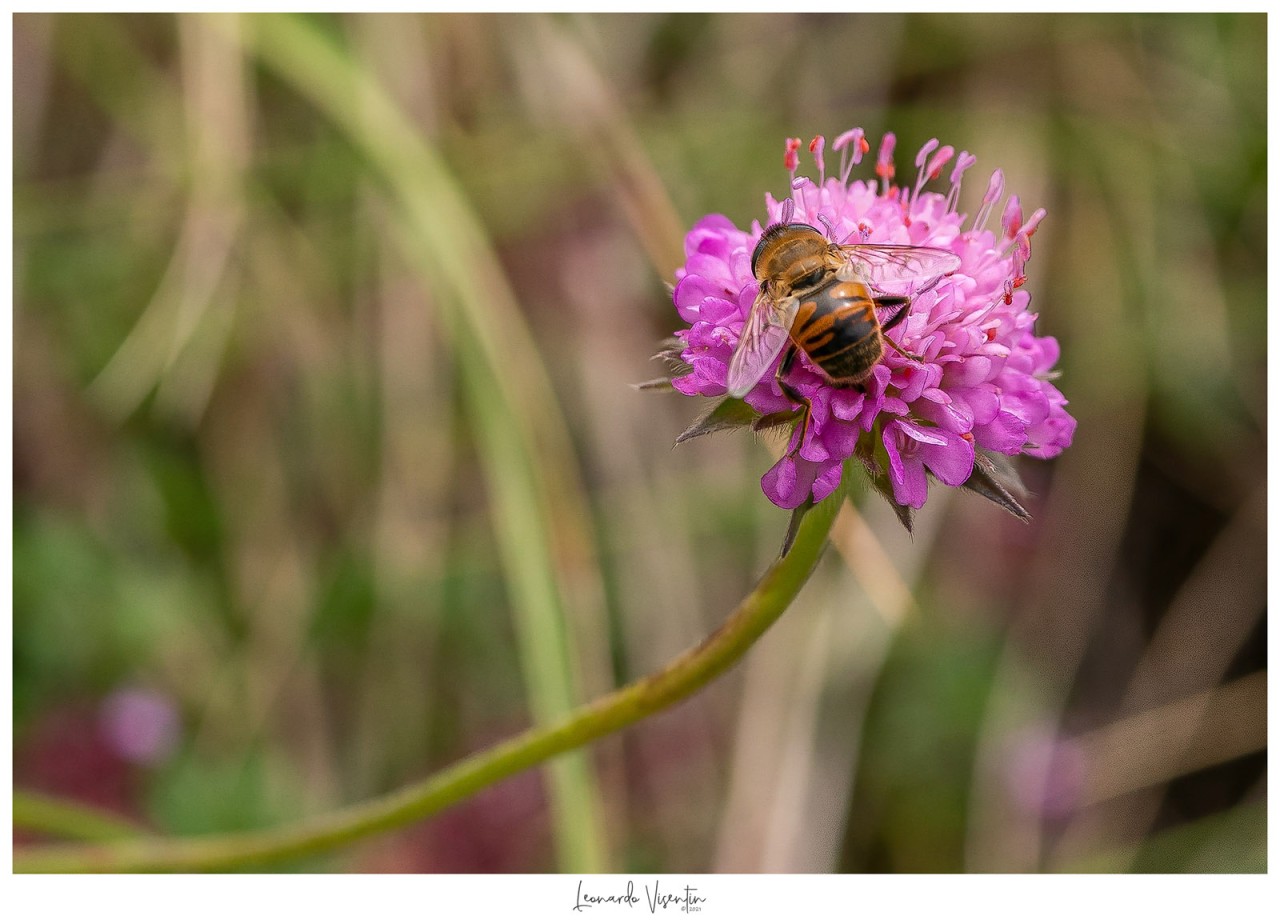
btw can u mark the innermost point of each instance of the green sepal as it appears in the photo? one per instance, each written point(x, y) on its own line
point(661, 384)
point(777, 419)
point(906, 515)
point(793, 527)
point(671, 353)
point(729, 414)
point(995, 478)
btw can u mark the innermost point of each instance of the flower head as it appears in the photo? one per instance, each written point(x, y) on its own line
point(972, 380)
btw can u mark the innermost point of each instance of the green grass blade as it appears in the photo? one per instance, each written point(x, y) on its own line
point(506, 389)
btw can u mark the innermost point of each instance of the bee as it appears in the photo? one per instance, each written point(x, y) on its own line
point(821, 298)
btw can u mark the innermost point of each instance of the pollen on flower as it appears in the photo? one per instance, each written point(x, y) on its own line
point(968, 380)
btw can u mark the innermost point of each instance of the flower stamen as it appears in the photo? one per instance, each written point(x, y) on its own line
point(933, 168)
point(1033, 222)
point(800, 185)
point(815, 148)
point(884, 161)
point(1011, 220)
point(787, 212)
point(963, 163)
point(995, 189)
point(851, 145)
point(791, 159)
point(929, 147)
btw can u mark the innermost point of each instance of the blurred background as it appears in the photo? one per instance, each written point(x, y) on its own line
point(328, 471)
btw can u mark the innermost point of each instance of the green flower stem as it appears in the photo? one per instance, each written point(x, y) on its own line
point(43, 814)
point(679, 679)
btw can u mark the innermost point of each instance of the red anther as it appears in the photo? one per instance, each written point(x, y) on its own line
point(967, 437)
point(1018, 281)
point(791, 160)
point(991, 334)
point(863, 145)
point(1008, 298)
point(815, 148)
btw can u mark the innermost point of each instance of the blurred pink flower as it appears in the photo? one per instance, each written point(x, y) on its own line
point(1045, 773)
point(140, 725)
point(984, 380)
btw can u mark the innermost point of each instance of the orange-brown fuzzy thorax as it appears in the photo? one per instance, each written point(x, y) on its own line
point(793, 256)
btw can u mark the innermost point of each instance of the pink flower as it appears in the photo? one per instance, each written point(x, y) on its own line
point(141, 725)
point(980, 382)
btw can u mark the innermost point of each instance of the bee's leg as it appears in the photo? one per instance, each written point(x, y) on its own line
point(893, 343)
point(903, 304)
point(788, 359)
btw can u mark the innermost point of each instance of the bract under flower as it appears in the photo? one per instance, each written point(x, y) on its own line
point(980, 379)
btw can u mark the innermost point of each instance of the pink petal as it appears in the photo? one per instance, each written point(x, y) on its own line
point(921, 435)
point(1005, 434)
point(828, 480)
point(912, 489)
point(787, 484)
point(953, 463)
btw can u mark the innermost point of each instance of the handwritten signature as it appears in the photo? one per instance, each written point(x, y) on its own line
point(655, 898)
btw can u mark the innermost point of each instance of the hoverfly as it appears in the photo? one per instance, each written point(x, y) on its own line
point(818, 295)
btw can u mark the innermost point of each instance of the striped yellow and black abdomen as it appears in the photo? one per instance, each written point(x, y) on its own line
point(836, 327)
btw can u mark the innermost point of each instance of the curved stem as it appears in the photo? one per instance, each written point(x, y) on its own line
point(680, 678)
point(36, 812)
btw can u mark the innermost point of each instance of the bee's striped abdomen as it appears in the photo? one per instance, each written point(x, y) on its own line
point(836, 327)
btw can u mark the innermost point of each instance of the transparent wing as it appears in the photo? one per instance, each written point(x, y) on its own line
point(879, 265)
point(763, 337)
